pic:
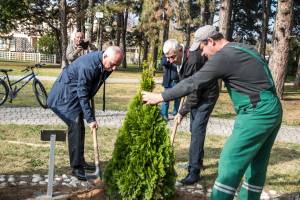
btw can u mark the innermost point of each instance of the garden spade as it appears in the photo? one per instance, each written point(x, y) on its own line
point(174, 130)
point(95, 177)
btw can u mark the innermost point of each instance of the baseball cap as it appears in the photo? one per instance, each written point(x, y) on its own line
point(203, 33)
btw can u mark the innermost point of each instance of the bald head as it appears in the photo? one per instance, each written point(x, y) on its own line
point(112, 57)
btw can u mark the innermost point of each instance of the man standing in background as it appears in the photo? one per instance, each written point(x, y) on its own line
point(78, 47)
point(170, 79)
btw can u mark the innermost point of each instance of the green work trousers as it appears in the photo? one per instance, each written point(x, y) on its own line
point(247, 151)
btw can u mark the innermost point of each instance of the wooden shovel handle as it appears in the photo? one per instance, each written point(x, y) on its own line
point(174, 130)
point(96, 148)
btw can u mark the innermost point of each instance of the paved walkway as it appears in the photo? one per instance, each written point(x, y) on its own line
point(39, 116)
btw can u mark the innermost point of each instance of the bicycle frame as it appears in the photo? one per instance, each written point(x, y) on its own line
point(12, 92)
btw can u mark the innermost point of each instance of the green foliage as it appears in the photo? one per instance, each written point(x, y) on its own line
point(48, 44)
point(142, 164)
point(11, 11)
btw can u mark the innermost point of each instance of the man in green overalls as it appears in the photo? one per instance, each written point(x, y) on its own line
point(259, 113)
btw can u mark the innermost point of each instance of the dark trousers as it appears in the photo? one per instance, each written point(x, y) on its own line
point(198, 122)
point(76, 135)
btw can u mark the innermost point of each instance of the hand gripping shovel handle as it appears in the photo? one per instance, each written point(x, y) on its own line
point(174, 130)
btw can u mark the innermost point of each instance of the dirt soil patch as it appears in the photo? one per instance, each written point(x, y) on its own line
point(66, 193)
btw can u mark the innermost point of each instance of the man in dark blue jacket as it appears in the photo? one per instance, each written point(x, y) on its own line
point(70, 99)
point(170, 79)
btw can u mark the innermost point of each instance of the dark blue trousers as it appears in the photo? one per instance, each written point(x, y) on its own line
point(198, 122)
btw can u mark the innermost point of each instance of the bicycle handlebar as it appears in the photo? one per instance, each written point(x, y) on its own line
point(39, 65)
point(25, 70)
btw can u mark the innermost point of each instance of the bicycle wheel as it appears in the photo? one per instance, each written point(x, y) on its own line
point(40, 93)
point(3, 92)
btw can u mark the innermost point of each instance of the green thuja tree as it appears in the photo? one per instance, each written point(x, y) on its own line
point(142, 164)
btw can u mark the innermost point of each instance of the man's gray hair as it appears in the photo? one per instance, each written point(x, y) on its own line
point(112, 50)
point(171, 45)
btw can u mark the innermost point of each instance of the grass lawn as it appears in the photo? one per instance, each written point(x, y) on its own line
point(30, 155)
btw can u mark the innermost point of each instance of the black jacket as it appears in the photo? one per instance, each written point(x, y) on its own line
point(170, 72)
point(191, 64)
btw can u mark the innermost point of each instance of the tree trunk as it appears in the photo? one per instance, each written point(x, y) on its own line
point(205, 13)
point(78, 18)
point(124, 30)
point(265, 27)
point(154, 45)
point(63, 29)
point(146, 48)
point(166, 30)
point(120, 24)
point(297, 79)
point(154, 53)
point(232, 21)
point(282, 30)
point(90, 21)
point(188, 36)
point(212, 11)
point(225, 17)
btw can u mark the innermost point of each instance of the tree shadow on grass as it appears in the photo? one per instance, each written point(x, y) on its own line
point(182, 155)
point(58, 170)
point(281, 155)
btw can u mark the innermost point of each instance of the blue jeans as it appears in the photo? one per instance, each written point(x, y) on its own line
point(198, 122)
point(165, 104)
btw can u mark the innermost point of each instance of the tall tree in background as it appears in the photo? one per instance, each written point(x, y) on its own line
point(166, 28)
point(296, 32)
point(80, 7)
point(297, 79)
point(265, 26)
point(188, 17)
point(205, 12)
point(225, 16)
point(124, 32)
point(63, 29)
point(282, 30)
point(78, 17)
point(90, 21)
point(12, 14)
point(245, 17)
point(212, 11)
point(151, 23)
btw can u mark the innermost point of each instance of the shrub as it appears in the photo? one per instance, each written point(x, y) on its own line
point(142, 164)
point(48, 44)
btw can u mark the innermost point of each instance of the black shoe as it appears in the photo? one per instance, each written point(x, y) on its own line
point(79, 173)
point(191, 178)
point(89, 167)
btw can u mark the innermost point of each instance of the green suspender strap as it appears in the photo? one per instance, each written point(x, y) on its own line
point(259, 58)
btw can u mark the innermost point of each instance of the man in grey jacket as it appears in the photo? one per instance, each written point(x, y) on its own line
point(199, 103)
point(78, 47)
point(70, 99)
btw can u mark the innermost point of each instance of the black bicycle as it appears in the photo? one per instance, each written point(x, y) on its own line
point(7, 89)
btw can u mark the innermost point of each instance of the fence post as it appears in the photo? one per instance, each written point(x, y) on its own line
point(9, 56)
point(54, 59)
point(39, 57)
point(24, 56)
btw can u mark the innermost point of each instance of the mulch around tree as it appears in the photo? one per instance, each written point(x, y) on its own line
point(66, 193)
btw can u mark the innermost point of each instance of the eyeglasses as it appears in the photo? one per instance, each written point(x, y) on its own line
point(173, 57)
